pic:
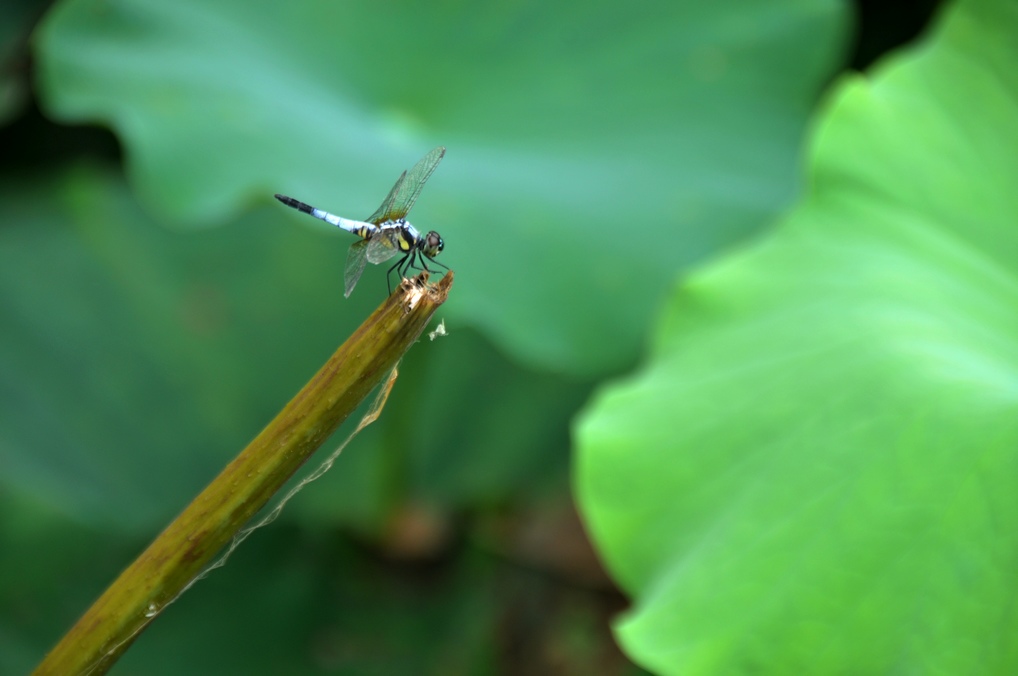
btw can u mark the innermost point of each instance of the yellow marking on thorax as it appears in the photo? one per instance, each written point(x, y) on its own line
point(405, 243)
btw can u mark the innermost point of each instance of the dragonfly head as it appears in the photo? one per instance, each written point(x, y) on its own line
point(432, 244)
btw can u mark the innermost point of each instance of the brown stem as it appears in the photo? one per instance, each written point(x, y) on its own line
point(181, 551)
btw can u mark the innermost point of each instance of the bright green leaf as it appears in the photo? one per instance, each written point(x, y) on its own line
point(815, 473)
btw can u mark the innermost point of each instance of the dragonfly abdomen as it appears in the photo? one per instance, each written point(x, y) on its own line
point(359, 228)
point(296, 204)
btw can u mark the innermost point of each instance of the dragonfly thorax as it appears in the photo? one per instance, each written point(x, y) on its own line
point(409, 238)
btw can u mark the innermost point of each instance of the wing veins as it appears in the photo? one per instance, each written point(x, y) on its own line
point(407, 189)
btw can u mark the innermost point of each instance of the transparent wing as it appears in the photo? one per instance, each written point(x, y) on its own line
point(403, 195)
point(382, 246)
point(355, 262)
point(381, 213)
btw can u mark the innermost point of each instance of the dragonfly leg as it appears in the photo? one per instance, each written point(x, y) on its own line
point(424, 265)
point(395, 267)
point(433, 261)
point(410, 262)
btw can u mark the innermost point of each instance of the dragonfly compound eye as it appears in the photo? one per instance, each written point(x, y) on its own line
point(433, 243)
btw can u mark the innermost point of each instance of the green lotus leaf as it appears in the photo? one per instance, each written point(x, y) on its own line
point(815, 471)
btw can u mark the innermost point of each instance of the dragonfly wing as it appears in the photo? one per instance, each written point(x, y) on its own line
point(355, 262)
point(381, 213)
point(403, 195)
point(382, 246)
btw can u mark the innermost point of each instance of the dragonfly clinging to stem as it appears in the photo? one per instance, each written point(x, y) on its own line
point(386, 233)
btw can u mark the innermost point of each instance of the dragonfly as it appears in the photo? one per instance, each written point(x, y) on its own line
point(386, 233)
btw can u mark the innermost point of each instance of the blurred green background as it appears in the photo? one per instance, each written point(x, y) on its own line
point(608, 168)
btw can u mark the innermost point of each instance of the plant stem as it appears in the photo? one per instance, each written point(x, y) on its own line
point(180, 552)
